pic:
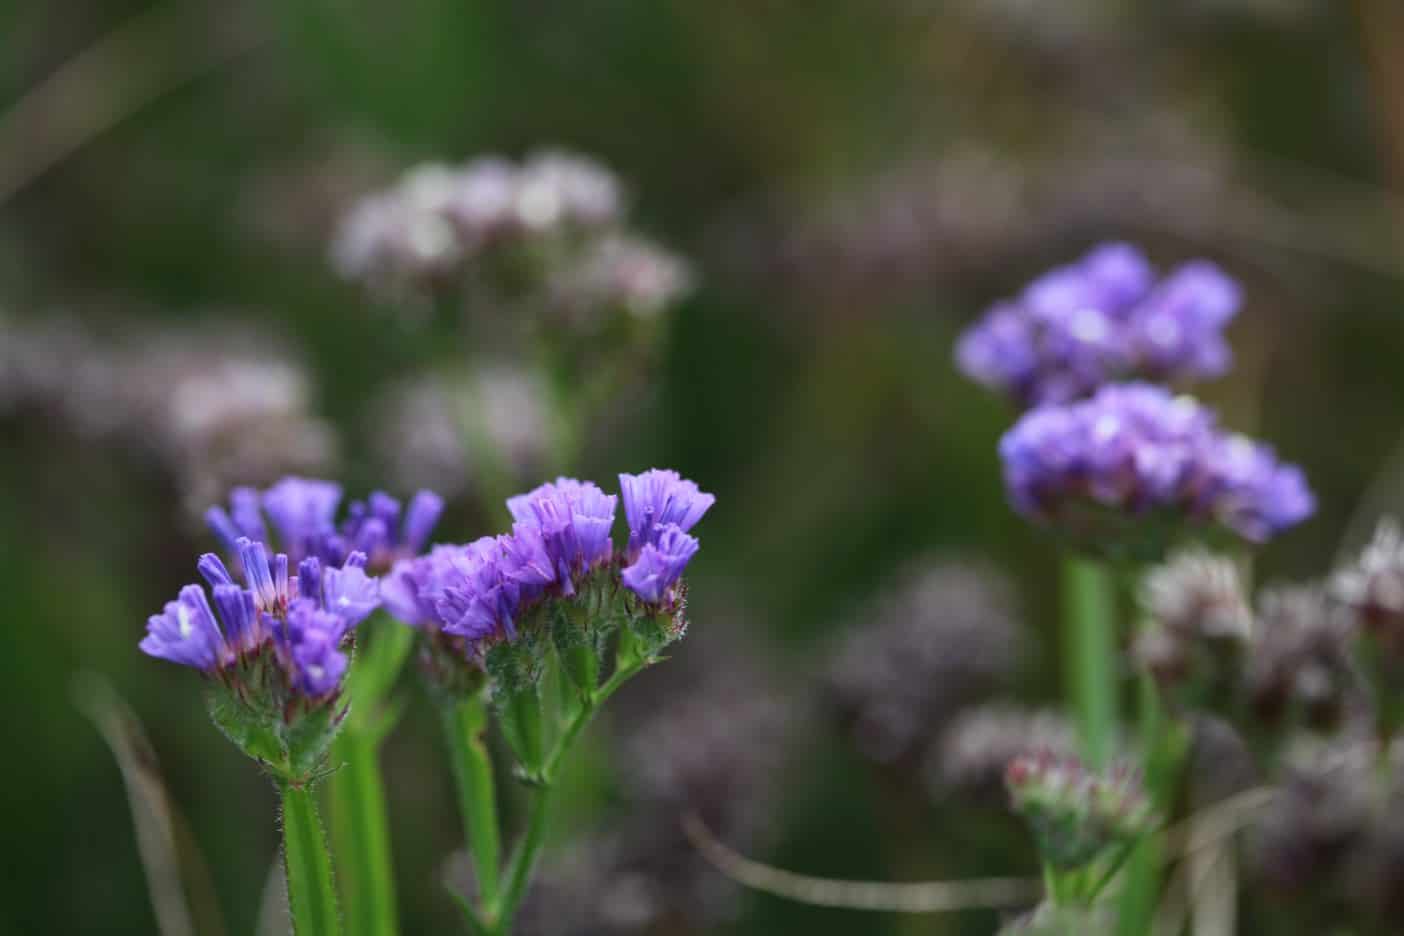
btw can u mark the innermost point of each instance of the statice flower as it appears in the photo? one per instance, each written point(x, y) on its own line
point(269, 608)
point(558, 552)
point(303, 514)
point(571, 521)
point(1099, 469)
point(661, 507)
point(1102, 319)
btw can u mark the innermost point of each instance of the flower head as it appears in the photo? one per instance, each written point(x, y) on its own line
point(272, 621)
point(303, 513)
point(1102, 319)
point(660, 564)
point(571, 520)
point(1135, 450)
point(658, 497)
point(559, 553)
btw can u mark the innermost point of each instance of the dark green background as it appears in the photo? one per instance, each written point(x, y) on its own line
point(807, 383)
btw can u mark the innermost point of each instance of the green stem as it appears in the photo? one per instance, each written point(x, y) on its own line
point(465, 724)
point(359, 825)
point(311, 893)
point(528, 850)
point(1163, 747)
point(1090, 654)
point(361, 834)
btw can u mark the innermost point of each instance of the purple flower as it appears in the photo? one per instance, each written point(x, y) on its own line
point(242, 520)
point(409, 589)
point(475, 596)
point(296, 623)
point(375, 527)
point(349, 592)
point(1099, 320)
point(1135, 450)
point(574, 519)
point(304, 512)
point(660, 564)
point(656, 498)
point(186, 632)
point(312, 638)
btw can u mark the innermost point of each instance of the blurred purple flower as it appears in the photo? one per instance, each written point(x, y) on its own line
point(303, 511)
point(1136, 450)
point(1099, 320)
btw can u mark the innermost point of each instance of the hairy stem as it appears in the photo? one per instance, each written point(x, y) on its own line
point(361, 833)
point(307, 863)
point(465, 725)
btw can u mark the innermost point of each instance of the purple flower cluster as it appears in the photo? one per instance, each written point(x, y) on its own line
point(1136, 449)
point(303, 512)
point(1102, 319)
point(293, 606)
point(558, 544)
point(299, 620)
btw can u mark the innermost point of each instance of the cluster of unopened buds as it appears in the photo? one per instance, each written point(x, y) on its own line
point(1078, 816)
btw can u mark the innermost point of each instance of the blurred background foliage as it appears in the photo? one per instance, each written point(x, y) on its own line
point(853, 182)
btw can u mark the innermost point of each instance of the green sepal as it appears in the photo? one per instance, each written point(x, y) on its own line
point(516, 668)
point(578, 646)
point(252, 731)
point(652, 632)
point(309, 737)
point(292, 745)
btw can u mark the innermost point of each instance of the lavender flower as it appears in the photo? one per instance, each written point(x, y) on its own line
point(1135, 451)
point(291, 625)
point(303, 511)
point(657, 497)
point(1099, 320)
point(559, 550)
point(659, 566)
point(574, 520)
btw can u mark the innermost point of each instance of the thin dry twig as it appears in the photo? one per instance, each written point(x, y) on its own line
point(921, 897)
point(1202, 830)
